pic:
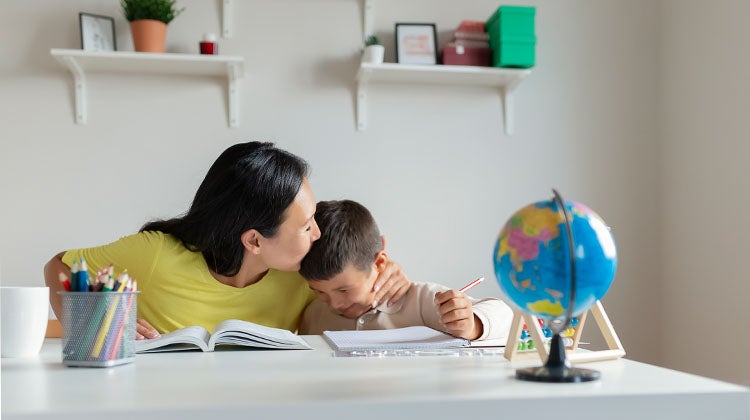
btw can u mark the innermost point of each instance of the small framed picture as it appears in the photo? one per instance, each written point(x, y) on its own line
point(416, 43)
point(97, 32)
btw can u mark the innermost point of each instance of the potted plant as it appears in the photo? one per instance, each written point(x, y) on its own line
point(374, 50)
point(148, 22)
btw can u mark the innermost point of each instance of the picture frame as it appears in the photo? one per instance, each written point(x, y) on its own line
point(416, 43)
point(97, 32)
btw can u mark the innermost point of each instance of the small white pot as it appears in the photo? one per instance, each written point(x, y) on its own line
point(373, 54)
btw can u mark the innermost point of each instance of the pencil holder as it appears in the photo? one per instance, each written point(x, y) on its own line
point(98, 328)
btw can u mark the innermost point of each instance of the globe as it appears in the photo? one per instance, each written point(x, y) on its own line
point(554, 259)
point(532, 259)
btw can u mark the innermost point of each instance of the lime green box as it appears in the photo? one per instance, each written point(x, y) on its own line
point(512, 20)
point(519, 52)
point(512, 36)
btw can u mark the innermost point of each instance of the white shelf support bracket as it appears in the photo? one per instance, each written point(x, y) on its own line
point(226, 18)
point(79, 85)
point(367, 16)
point(506, 95)
point(233, 94)
point(507, 102)
point(362, 85)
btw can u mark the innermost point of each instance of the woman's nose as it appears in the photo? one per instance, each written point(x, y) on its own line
point(316, 231)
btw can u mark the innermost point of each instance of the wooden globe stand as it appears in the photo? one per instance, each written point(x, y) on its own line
point(614, 350)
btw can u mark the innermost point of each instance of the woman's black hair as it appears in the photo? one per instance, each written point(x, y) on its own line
point(248, 187)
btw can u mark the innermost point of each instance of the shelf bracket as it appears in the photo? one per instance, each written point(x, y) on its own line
point(79, 84)
point(226, 18)
point(233, 94)
point(507, 102)
point(362, 84)
point(506, 97)
point(367, 16)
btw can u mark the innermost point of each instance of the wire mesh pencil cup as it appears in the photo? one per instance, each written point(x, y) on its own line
point(98, 328)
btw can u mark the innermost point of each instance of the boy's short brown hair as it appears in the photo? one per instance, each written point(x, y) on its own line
point(348, 235)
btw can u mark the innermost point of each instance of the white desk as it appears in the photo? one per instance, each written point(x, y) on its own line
point(314, 385)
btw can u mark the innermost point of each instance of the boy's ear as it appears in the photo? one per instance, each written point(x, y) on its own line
point(381, 259)
point(250, 241)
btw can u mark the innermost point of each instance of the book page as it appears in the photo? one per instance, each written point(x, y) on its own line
point(188, 338)
point(418, 337)
point(244, 333)
point(494, 342)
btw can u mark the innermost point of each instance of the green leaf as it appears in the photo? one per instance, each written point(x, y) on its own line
point(161, 10)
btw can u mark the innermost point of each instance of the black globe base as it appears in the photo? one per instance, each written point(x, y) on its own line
point(557, 374)
point(556, 369)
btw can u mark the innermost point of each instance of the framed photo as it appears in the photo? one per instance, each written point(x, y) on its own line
point(416, 43)
point(97, 32)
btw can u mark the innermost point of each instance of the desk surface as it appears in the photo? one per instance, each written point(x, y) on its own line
point(312, 384)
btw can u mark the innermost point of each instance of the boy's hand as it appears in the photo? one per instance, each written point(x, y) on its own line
point(144, 330)
point(390, 285)
point(457, 316)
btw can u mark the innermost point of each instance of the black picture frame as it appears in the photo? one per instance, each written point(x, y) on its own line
point(416, 43)
point(97, 32)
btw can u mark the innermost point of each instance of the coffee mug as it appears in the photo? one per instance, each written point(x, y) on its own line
point(23, 320)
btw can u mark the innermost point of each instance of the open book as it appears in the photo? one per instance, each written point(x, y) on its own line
point(229, 332)
point(408, 338)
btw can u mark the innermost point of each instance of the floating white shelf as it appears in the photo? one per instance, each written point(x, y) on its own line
point(505, 80)
point(80, 62)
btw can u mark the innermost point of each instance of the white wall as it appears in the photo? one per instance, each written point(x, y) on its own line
point(704, 91)
point(434, 166)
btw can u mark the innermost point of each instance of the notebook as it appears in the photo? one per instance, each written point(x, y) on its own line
point(408, 338)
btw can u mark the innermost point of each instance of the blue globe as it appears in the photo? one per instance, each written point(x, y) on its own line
point(532, 259)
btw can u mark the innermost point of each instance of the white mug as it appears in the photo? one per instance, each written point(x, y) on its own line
point(23, 320)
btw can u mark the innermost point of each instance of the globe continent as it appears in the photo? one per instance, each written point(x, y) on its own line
point(532, 259)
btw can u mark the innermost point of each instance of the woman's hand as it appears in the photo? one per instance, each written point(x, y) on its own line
point(390, 285)
point(144, 330)
point(457, 316)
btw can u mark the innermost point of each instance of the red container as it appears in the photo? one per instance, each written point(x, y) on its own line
point(208, 47)
point(208, 44)
point(461, 55)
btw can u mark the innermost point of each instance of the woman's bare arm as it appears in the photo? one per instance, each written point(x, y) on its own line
point(52, 271)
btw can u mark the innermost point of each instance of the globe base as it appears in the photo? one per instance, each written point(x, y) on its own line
point(557, 368)
point(557, 374)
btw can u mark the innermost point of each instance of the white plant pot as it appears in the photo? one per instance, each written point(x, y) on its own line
point(373, 54)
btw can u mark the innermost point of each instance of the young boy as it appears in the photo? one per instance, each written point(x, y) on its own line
point(342, 266)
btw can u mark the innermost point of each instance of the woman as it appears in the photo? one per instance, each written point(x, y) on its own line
point(233, 255)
